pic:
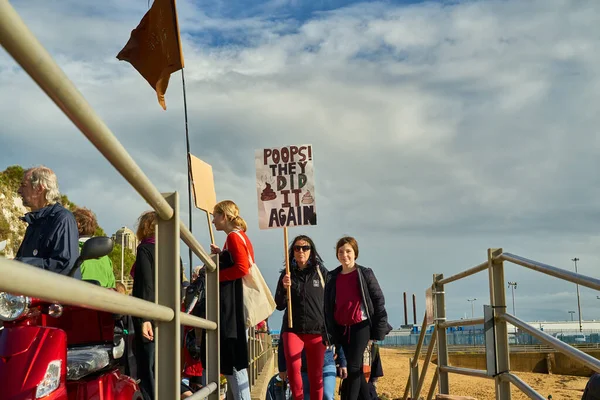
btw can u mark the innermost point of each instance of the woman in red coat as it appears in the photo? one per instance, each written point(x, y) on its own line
point(234, 264)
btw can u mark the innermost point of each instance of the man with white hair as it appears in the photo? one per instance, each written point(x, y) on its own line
point(51, 238)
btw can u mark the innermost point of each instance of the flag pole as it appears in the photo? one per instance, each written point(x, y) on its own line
point(187, 133)
point(189, 165)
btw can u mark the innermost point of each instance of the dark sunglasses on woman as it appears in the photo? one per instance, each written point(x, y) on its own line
point(303, 248)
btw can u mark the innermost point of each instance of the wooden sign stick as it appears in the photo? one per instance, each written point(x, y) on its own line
point(287, 271)
point(210, 228)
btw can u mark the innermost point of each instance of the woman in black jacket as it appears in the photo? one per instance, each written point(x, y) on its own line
point(354, 313)
point(307, 284)
point(143, 288)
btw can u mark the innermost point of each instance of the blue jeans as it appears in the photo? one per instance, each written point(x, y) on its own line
point(239, 385)
point(329, 378)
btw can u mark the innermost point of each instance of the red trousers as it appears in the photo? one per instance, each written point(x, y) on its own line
point(293, 344)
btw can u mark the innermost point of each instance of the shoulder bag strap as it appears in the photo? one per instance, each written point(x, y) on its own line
point(247, 249)
point(321, 276)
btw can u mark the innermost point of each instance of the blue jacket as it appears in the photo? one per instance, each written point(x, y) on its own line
point(51, 240)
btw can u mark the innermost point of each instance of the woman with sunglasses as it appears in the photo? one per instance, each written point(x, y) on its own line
point(306, 280)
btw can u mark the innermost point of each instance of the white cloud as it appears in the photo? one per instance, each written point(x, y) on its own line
point(439, 129)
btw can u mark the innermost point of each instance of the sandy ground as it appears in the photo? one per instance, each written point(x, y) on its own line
point(395, 368)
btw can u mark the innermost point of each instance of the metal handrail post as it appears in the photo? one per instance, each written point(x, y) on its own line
point(167, 275)
point(432, 387)
point(414, 376)
point(250, 359)
point(426, 364)
point(256, 351)
point(257, 355)
point(255, 360)
point(498, 303)
point(442, 340)
point(249, 345)
point(416, 356)
point(213, 342)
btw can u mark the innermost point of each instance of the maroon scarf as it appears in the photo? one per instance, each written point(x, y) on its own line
point(150, 240)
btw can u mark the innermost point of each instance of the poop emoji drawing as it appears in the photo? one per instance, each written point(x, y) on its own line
point(268, 194)
point(307, 198)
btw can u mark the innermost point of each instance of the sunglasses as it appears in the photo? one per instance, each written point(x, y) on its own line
point(303, 248)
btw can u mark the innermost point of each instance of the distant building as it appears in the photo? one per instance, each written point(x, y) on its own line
point(560, 326)
point(127, 237)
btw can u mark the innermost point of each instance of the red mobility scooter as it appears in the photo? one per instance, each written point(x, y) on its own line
point(54, 352)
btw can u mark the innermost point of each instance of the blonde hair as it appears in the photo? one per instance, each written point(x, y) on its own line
point(146, 225)
point(231, 212)
point(45, 177)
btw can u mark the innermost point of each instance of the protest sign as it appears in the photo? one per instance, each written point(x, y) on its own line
point(203, 183)
point(285, 187)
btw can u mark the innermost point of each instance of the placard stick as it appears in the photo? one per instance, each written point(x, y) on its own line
point(200, 334)
point(210, 229)
point(287, 271)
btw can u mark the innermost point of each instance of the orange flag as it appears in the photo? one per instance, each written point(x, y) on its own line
point(154, 47)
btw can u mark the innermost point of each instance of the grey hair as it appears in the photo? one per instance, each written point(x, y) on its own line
point(45, 177)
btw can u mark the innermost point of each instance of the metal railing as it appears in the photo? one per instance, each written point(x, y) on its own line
point(495, 325)
point(260, 351)
point(21, 44)
point(533, 348)
point(473, 340)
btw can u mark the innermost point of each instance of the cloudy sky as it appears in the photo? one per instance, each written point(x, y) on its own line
point(439, 129)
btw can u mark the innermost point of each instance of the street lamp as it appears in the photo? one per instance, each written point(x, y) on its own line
point(122, 252)
point(578, 301)
point(472, 306)
point(571, 312)
point(513, 286)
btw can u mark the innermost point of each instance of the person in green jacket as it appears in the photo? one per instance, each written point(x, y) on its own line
point(99, 269)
